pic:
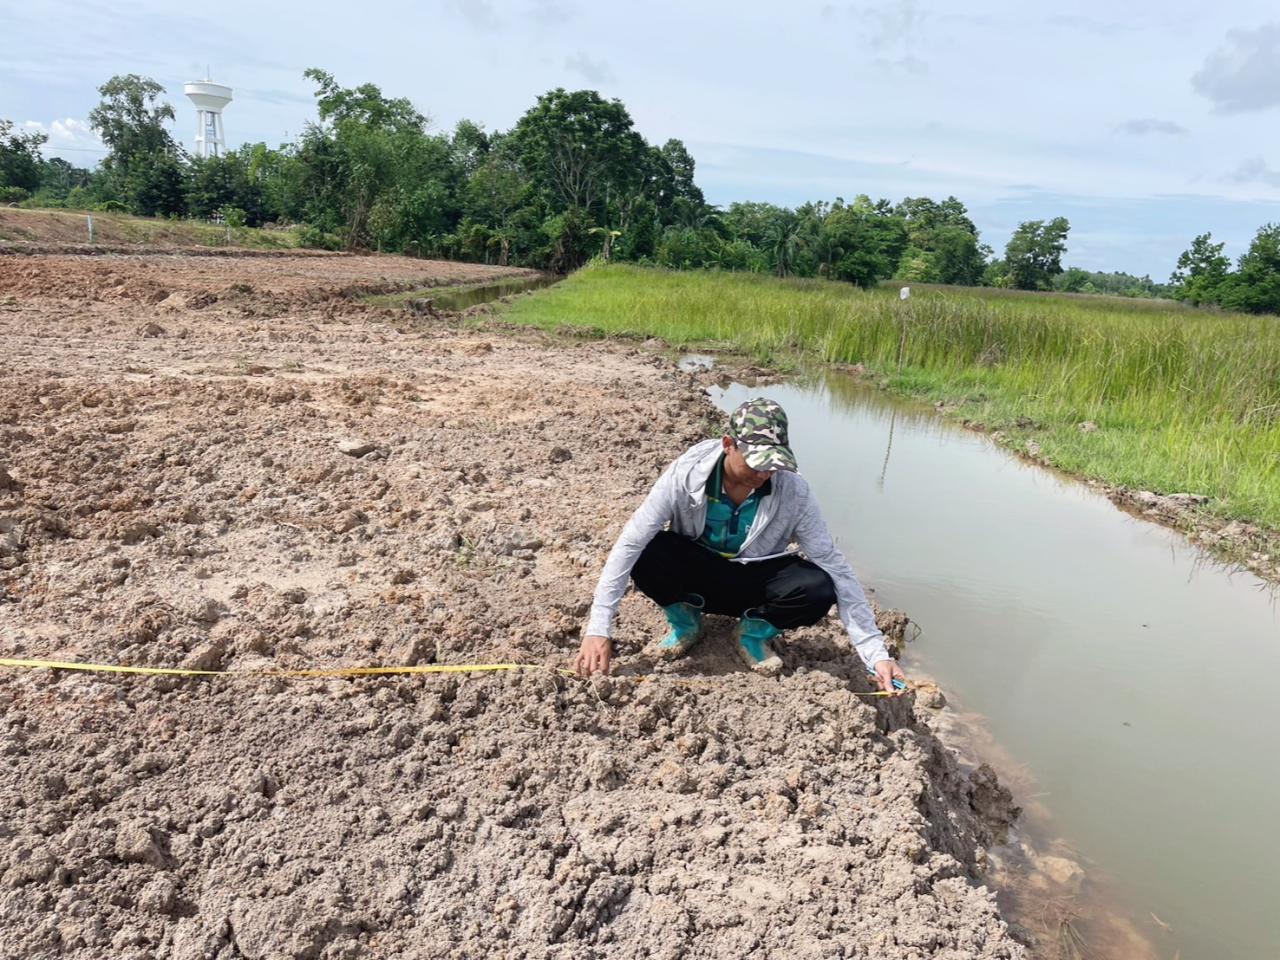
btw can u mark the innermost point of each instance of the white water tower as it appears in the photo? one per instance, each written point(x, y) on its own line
point(209, 99)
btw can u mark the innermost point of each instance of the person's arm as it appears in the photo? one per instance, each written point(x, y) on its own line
point(855, 610)
point(657, 510)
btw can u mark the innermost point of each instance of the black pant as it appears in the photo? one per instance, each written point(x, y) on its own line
point(786, 591)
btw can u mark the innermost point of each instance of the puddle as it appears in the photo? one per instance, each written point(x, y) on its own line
point(1127, 679)
point(694, 362)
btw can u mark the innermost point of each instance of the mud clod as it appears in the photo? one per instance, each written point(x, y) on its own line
point(356, 448)
point(138, 843)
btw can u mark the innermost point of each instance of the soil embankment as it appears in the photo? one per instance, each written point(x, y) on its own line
point(229, 464)
point(49, 231)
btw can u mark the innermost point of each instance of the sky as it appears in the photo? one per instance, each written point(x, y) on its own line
point(1144, 123)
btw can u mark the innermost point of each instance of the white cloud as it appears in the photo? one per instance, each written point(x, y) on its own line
point(1244, 74)
point(65, 135)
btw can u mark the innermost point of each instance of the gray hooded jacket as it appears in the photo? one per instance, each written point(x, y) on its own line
point(789, 513)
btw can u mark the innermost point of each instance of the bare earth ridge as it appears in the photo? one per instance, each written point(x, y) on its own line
point(226, 463)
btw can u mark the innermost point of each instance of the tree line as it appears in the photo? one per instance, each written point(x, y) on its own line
point(571, 180)
point(1204, 274)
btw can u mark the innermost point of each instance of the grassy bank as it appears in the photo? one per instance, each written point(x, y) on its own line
point(65, 226)
point(1184, 400)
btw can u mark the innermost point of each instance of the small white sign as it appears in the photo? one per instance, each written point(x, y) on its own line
point(904, 293)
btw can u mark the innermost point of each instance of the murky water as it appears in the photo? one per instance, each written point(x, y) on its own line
point(693, 362)
point(461, 298)
point(1133, 678)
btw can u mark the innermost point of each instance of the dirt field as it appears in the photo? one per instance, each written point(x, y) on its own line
point(226, 463)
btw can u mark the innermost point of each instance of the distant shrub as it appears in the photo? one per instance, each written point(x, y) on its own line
point(13, 194)
point(310, 235)
point(43, 199)
point(78, 198)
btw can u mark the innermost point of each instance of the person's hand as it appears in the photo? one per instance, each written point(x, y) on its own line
point(592, 656)
point(886, 672)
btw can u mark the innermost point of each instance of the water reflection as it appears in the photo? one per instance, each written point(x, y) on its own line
point(453, 300)
point(1131, 677)
point(888, 449)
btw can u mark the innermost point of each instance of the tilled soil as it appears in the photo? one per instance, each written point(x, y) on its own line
point(252, 471)
point(254, 284)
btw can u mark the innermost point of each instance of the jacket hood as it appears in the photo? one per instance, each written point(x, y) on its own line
point(693, 468)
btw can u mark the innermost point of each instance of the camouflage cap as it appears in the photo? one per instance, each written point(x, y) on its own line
point(760, 428)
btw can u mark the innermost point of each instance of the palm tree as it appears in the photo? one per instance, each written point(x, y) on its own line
point(609, 236)
point(501, 238)
point(784, 240)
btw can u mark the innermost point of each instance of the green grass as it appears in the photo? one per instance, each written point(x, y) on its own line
point(1185, 400)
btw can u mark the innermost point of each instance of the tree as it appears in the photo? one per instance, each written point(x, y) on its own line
point(497, 189)
point(216, 183)
point(943, 242)
point(144, 167)
point(272, 173)
point(689, 248)
point(471, 146)
point(753, 221)
point(58, 177)
point(1034, 252)
point(1074, 280)
point(130, 118)
point(783, 241)
point(640, 230)
point(364, 104)
point(580, 150)
point(958, 256)
point(996, 274)
point(20, 163)
point(870, 237)
point(1254, 287)
point(154, 185)
point(1200, 271)
point(1118, 284)
point(681, 164)
point(569, 235)
point(370, 170)
point(607, 238)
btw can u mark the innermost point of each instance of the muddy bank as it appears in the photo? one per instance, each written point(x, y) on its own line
point(1254, 547)
point(281, 477)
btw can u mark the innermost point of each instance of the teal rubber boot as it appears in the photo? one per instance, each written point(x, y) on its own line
point(752, 636)
point(686, 626)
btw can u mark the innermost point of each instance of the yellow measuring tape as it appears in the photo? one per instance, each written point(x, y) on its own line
point(340, 671)
point(320, 672)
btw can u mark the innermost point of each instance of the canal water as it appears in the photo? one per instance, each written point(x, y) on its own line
point(1131, 678)
point(454, 299)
